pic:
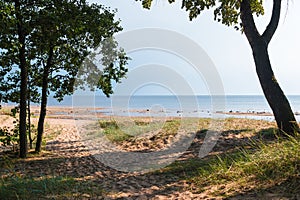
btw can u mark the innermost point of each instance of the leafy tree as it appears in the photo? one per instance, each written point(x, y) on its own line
point(14, 30)
point(239, 13)
point(59, 37)
point(92, 76)
point(10, 90)
point(66, 34)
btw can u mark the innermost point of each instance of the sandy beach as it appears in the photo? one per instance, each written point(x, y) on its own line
point(70, 153)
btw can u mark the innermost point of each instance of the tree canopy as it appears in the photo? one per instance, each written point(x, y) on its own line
point(225, 11)
point(47, 41)
point(67, 30)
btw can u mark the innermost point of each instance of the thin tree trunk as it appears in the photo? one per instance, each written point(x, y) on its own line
point(23, 88)
point(43, 110)
point(278, 102)
point(29, 120)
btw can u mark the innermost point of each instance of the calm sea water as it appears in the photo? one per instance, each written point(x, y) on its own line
point(201, 106)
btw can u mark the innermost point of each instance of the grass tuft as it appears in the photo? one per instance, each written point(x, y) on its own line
point(267, 165)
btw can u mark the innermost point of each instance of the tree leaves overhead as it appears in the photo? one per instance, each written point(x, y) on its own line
point(49, 40)
point(76, 29)
point(94, 75)
point(225, 11)
point(70, 30)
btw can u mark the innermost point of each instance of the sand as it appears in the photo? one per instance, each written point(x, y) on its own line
point(74, 158)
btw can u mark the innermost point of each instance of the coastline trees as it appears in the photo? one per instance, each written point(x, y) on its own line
point(240, 15)
point(46, 41)
point(66, 34)
point(14, 30)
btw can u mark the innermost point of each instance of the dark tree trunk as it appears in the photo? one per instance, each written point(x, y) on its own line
point(43, 110)
point(29, 119)
point(278, 102)
point(23, 88)
point(43, 113)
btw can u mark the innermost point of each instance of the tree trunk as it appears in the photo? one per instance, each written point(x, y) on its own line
point(23, 88)
point(43, 111)
point(278, 102)
point(29, 119)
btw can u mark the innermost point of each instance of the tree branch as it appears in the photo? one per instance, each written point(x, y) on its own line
point(273, 24)
point(248, 23)
point(58, 76)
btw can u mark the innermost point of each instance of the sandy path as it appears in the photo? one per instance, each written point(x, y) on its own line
point(119, 185)
point(79, 162)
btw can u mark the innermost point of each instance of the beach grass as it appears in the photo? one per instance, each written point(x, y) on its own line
point(266, 165)
point(55, 187)
point(15, 184)
point(121, 130)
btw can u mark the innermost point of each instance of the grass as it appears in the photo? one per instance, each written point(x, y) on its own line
point(15, 184)
point(113, 132)
point(257, 169)
point(164, 127)
point(122, 131)
point(116, 135)
point(55, 187)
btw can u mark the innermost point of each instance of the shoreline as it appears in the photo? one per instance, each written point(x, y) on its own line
point(69, 112)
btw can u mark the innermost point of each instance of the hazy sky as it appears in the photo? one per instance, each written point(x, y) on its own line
point(228, 48)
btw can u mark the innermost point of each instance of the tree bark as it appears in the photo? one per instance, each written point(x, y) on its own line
point(44, 99)
point(29, 118)
point(277, 100)
point(23, 88)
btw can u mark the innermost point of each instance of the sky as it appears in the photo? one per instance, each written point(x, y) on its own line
point(227, 48)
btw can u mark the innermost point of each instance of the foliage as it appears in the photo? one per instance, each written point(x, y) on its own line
point(57, 36)
point(93, 75)
point(10, 136)
point(225, 11)
point(68, 31)
point(66, 34)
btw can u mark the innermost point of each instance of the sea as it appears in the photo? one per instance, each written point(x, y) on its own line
point(246, 106)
